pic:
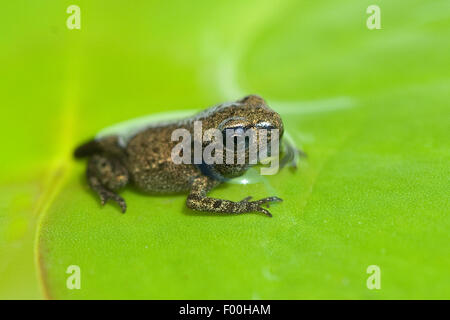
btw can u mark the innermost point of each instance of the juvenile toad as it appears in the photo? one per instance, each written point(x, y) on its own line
point(145, 159)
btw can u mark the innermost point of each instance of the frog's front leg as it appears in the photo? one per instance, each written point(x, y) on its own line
point(106, 175)
point(198, 200)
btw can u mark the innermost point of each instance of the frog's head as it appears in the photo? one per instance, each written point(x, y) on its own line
point(248, 121)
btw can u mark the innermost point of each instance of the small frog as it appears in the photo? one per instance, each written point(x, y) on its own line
point(144, 159)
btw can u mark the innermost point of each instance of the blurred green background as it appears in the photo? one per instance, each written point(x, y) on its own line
point(370, 107)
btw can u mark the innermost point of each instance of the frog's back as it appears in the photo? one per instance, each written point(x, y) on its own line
point(150, 164)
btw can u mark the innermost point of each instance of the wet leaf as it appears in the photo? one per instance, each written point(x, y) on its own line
point(369, 107)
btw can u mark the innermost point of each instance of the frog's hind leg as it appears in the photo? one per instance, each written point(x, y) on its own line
point(105, 176)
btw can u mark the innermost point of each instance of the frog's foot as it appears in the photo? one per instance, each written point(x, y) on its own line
point(199, 201)
point(256, 206)
point(106, 195)
point(106, 175)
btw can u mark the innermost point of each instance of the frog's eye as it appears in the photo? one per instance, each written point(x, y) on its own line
point(265, 125)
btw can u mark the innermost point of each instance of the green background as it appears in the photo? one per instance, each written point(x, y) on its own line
point(370, 108)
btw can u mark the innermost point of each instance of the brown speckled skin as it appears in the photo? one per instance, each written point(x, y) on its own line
point(146, 160)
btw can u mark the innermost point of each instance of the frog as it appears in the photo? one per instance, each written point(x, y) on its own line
point(144, 159)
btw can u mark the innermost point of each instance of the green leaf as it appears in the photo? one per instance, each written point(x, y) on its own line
point(369, 107)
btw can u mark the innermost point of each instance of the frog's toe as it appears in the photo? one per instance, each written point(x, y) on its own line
point(268, 200)
point(108, 195)
point(265, 211)
point(122, 204)
point(256, 207)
